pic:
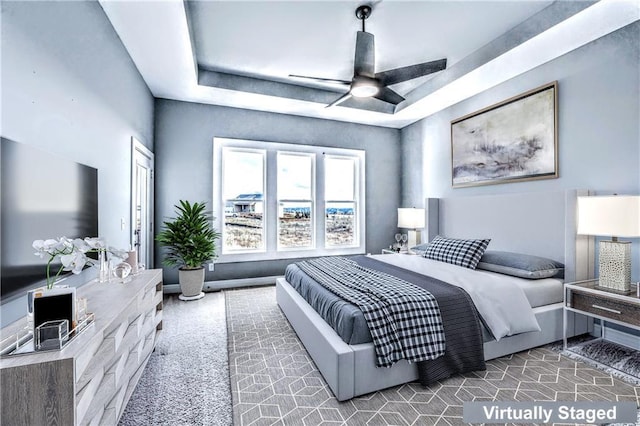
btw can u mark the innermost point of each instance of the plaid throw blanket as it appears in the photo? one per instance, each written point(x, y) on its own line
point(403, 318)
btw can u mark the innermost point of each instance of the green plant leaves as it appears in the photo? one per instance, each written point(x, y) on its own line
point(189, 237)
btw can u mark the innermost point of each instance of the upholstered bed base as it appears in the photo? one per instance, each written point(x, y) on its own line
point(537, 223)
point(350, 369)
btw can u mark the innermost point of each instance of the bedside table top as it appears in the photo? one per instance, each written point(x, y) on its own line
point(387, 251)
point(592, 287)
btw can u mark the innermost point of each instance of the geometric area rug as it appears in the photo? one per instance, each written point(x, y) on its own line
point(275, 382)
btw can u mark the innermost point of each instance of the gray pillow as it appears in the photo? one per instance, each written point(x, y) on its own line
point(419, 249)
point(520, 265)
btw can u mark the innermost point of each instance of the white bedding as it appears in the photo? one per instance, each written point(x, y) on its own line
point(546, 291)
point(504, 307)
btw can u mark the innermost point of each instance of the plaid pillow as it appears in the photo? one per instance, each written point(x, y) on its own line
point(465, 253)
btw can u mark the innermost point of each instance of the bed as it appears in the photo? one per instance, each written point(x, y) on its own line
point(540, 224)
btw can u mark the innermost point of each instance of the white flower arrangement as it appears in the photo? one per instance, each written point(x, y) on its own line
point(73, 254)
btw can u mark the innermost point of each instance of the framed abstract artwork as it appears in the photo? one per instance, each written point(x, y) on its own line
point(511, 141)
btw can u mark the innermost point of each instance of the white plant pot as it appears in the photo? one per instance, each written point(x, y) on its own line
point(191, 282)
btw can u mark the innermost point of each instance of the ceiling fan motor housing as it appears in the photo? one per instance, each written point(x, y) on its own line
point(363, 12)
point(366, 82)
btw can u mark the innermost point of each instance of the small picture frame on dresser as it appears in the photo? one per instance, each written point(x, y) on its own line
point(55, 304)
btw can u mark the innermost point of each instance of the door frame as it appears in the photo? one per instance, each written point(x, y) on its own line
point(138, 149)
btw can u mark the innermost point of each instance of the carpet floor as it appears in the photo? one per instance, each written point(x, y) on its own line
point(186, 381)
point(275, 382)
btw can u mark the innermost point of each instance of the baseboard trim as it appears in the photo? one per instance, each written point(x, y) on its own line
point(617, 336)
point(226, 284)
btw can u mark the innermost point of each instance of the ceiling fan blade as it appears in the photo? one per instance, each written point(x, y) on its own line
point(328, 80)
point(387, 95)
point(399, 75)
point(364, 62)
point(340, 100)
point(369, 104)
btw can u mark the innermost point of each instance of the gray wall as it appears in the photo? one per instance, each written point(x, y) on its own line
point(599, 127)
point(69, 87)
point(184, 166)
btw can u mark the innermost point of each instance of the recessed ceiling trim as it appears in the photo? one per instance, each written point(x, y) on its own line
point(578, 30)
point(223, 80)
point(541, 21)
point(156, 36)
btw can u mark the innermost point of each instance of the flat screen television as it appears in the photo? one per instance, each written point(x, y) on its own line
point(42, 196)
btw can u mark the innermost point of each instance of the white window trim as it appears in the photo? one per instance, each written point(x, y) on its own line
point(271, 203)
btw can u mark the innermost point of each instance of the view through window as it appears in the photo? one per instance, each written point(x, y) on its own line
point(243, 195)
point(295, 204)
point(340, 196)
point(286, 200)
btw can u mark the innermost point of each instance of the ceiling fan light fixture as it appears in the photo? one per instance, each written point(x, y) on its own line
point(366, 82)
point(364, 91)
point(364, 87)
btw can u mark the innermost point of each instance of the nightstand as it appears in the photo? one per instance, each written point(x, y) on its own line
point(587, 298)
point(387, 251)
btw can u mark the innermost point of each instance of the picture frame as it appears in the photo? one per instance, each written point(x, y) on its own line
point(512, 141)
point(58, 303)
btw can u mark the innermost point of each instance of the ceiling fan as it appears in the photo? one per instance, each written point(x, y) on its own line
point(366, 82)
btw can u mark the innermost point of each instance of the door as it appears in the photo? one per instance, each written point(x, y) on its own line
point(142, 202)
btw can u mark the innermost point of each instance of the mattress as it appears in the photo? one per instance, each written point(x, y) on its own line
point(349, 323)
point(346, 319)
point(541, 292)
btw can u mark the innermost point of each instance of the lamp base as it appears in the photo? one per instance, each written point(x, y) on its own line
point(615, 265)
point(414, 238)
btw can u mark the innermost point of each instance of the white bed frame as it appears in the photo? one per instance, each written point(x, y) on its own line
point(542, 224)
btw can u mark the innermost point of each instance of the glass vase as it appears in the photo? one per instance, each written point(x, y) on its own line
point(103, 273)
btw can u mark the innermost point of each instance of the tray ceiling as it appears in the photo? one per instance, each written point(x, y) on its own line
point(239, 54)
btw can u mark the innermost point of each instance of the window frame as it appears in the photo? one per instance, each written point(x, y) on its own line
point(271, 200)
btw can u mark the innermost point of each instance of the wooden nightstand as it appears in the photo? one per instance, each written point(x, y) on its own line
point(587, 298)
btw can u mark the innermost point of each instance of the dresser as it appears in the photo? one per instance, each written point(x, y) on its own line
point(91, 379)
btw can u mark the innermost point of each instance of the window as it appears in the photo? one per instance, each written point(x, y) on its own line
point(295, 200)
point(243, 195)
point(277, 201)
point(340, 197)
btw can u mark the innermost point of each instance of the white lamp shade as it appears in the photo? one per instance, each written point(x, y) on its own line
point(611, 215)
point(411, 218)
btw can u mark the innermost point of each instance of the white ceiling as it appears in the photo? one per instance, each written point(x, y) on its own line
point(269, 40)
point(275, 39)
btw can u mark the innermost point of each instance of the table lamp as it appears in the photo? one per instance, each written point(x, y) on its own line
point(614, 216)
point(412, 219)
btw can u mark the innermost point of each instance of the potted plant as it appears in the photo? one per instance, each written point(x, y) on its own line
point(191, 241)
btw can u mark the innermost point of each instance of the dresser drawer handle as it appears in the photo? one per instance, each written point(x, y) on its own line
point(607, 309)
